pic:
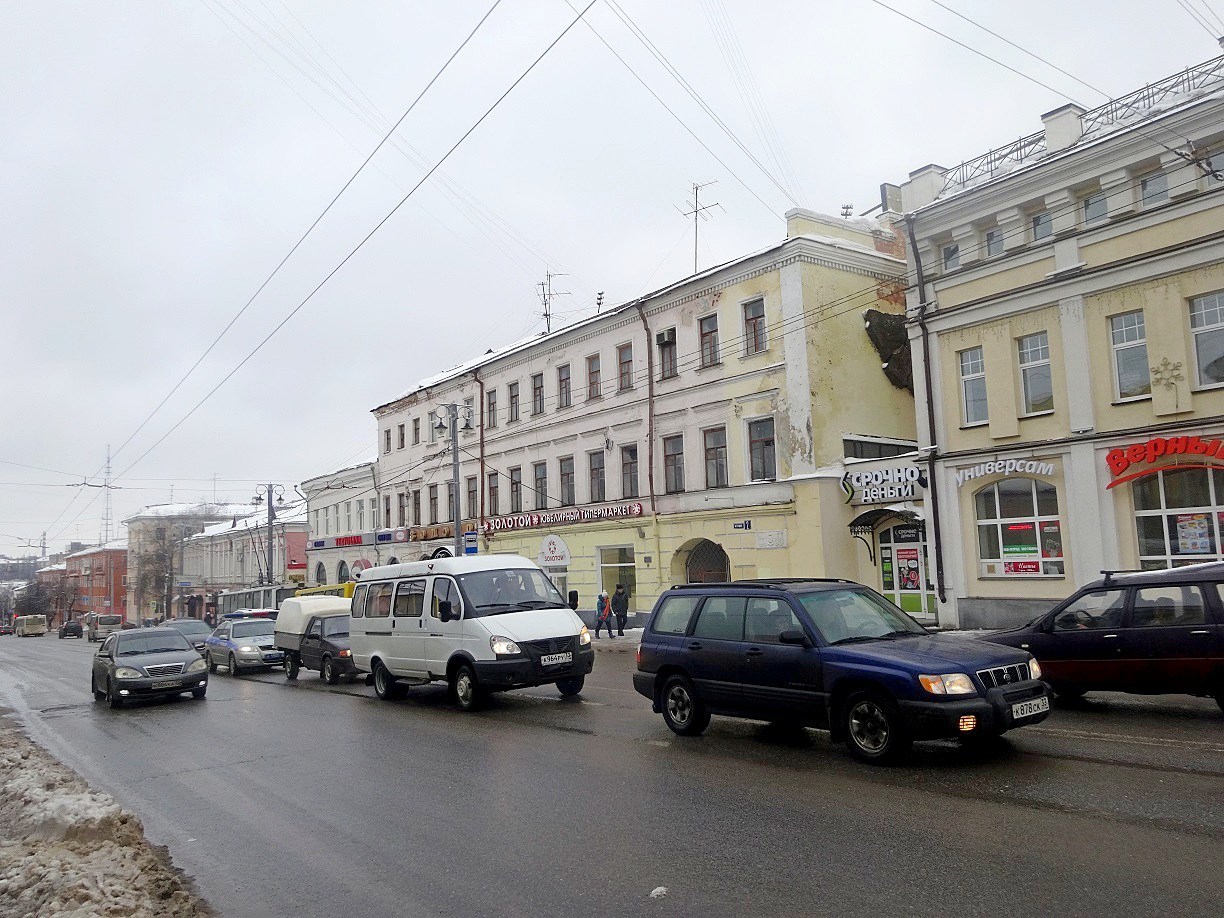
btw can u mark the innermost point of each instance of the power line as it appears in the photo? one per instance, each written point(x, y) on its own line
point(1197, 17)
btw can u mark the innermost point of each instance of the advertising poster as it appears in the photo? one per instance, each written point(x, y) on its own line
point(886, 568)
point(908, 576)
point(1022, 567)
point(1020, 539)
point(1051, 539)
point(1193, 534)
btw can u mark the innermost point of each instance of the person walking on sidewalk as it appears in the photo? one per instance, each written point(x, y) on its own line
point(603, 615)
point(620, 608)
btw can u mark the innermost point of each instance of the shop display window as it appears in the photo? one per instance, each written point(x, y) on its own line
point(1178, 517)
point(1018, 528)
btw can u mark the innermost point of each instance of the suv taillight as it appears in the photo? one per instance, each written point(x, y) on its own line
point(639, 655)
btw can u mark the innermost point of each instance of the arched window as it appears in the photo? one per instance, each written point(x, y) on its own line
point(1019, 533)
point(320, 574)
point(1177, 517)
point(393, 560)
point(342, 572)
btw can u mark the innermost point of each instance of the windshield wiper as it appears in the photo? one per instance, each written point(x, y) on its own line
point(904, 634)
point(857, 637)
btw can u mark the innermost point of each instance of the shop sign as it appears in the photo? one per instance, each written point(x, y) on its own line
point(1022, 567)
point(1005, 467)
point(1141, 456)
point(553, 552)
point(348, 541)
point(560, 517)
point(881, 486)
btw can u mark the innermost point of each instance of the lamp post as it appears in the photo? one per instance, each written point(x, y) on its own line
point(275, 495)
point(448, 416)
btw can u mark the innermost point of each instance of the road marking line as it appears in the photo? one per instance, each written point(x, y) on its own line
point(1126, 738)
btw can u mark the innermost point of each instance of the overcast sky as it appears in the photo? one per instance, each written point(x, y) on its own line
point(158, 159)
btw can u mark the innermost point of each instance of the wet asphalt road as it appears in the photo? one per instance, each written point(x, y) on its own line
point(305, 799)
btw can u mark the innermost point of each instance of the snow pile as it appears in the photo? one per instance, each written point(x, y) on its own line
point(68, 851)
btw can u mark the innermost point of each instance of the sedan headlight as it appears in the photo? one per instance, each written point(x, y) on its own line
point(197, 666)
point(503, 646)
point(1034, 668)
point(584, 636)
point(248, 650)
point(948, 684)
point(126, 672)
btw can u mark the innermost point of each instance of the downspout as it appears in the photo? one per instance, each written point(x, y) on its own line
point(378, 505)
point(932, 484)
point(480, 411)
point(650, 440)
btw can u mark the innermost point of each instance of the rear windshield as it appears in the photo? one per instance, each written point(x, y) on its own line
point(110, 620)
point(161, 642)
point(253, 629)
point(191, 627)
point(494, 592)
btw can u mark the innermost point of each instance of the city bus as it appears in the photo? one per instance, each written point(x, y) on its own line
point(336, 589)
point(262, 597)
point(30, 625)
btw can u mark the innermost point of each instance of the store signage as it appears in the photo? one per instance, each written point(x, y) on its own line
point(553, 552)
point(1139, 457)
point(1004, 467)
point(560, 517)
point(354, 541)
point(746, 524)
point(881, 486)
point(344, 541)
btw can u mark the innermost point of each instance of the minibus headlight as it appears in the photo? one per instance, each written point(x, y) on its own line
point(584, 636)
point(503, 646)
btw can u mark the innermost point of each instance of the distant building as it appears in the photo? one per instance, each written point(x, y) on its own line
point(97, 578)
point(345, 534)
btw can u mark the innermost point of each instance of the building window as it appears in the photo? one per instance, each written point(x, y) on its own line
point(433, 504)
point(1096, 207)
point(416, 507)
point(973, 386)
point(491, 408)
point(1177, 517)
point(1207, 329)
point(856, 448)
point(673, 464)
point(416, 431)
point(374, 512)
point(667, 354)
point(361, 516)
point(516, 489)
point(1019, 533)
point(473, 498)
point(709, 341)
point(433, 428)
point(1042, 224)
point(566, 468)
point(624, 367)
point(563, 386)
point(450, 501)
point(387, 440)
point(595, 462)
point(492, 492)
point(994, 243)
point(400, 433)
point(539, 471)
point(593, 376)
point(512, 395)
point(1130, 355)
point(951, 257)
point(320, 574)
point(348, 516)
point(1154, 189)
point(629, 471)
point(386, 512)
point(754, 328)
point(715, 442)
point(761, 453)
point(1034, 353)
point(401, 500)
point(537, 393)
point(616, 566)
point(1215, 169)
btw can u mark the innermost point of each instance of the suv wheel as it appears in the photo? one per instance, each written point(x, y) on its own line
point(683, 712)
point(873, 727)
point(384, 682)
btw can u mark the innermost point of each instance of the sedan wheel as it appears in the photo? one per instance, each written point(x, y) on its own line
point(328, 672)
point(212, 664)
point(233, 665)
point(112, 695)
point(93, 687)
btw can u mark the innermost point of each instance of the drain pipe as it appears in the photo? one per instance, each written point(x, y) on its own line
point(480, 412)
point(650, 440)
point(932, 484)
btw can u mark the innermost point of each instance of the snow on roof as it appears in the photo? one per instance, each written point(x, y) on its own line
point(366, 464)
point(113, 545)
point(50, 568)
point(204, 509)
point(287, 513)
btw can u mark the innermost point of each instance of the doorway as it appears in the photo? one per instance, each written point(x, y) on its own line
point(905, 569)
point(708, 563)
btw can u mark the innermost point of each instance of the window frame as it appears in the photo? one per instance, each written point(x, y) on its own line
point(1038, 519)
point(400, 436)
point(1032, 364)
point(669, 366)
point(565, 473)
point(708, 341)
point(1041, 226)
point(594, 377)
point(512, 402)
point(1196, 332)
point(598, 484)
point(949, 256)
point(493, 493)
point(673, 465)
point(629, 469)
point(540, 484)
point(537, 394)
point(416, 431)
point(772, 448)
point(433, 505)
point(386, 441)
point(969, 377)
point(1116, 347)
point(516, 489)
point(564, 392)
point(1161, 196)
point(1168, 513)
point(1090, 199)
point(473, 496)
point(715, 457)
point(624, 367)
point(756, 336)
point(491, 408)
point(990, 237)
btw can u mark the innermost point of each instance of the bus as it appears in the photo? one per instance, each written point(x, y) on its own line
point(262, 597)
point(336, 589)
point(30, 625)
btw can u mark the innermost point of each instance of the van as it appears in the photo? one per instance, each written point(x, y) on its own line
point(99, 626)
point(30, 625)
point(481, 624)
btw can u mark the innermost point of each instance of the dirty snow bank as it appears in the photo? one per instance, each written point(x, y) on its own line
point(71, 852)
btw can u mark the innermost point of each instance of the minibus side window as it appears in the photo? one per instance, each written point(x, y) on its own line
point(359, 601)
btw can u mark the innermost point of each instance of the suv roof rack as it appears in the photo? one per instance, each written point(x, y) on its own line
point(770, 583)
point(1109, 575)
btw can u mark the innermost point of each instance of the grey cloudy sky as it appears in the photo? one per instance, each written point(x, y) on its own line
point(158, 159)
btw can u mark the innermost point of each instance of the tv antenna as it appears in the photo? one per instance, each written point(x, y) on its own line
point(546, 297)
point(698, 211)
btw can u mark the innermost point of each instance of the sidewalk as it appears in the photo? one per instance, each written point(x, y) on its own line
point(626, 644)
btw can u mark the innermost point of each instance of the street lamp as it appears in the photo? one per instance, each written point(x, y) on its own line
point(275, 495)
point(445, 416)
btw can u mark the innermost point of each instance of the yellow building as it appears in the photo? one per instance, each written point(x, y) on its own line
point(1068, 333)
point(695, 433)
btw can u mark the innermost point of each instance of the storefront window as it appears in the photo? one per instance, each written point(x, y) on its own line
point(616, 565)
point(1178, 517)
point(1019, 533)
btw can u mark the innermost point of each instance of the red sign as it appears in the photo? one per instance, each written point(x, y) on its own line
point(1022, 567)
point(1123, 459)
point(342, 541)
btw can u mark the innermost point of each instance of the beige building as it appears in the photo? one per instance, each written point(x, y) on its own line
point(1068, 339)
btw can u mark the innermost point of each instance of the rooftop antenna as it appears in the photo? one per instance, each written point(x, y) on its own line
point(105, 534)
point(599, 301)
point(699, 210)
point(847, 211)
point(546, 297)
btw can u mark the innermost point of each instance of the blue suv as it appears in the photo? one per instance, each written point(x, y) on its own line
point(831, 654)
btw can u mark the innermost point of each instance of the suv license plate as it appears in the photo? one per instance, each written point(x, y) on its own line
point(552, 659)
point(1029, 708)
point(161, 685)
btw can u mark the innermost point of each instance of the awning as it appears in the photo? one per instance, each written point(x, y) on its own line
point(870, 520)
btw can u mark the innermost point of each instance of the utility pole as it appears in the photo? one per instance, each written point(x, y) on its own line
point(448, 416)
point(271, 491)
point(105, 535)
point(546, 297)
point(699, 210)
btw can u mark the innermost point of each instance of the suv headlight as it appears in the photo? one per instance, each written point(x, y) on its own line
point(126, 672)
point(503, 646)
point(584, 636)
point(948, 684)
point(1034, 668)
point(197, 666)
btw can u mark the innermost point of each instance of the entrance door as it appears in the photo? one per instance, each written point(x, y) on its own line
point(904, 576)
point(708, 563)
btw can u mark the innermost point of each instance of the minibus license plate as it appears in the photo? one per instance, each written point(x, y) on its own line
point(1029, 708)
point(161, 685)
point(552, 659)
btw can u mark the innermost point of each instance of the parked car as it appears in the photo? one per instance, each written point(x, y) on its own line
point(831, 654)
point(71, 628)
point(242, 643)
point(481, 624)
point(1150, 632)
point(313, 633)
point(146, 663)
point(193, 629)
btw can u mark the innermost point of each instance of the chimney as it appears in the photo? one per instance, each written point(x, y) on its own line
point(924, 186)
point(1063, 127)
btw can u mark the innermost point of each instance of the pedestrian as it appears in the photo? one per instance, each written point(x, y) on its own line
point(603, 614)
point(620, 608)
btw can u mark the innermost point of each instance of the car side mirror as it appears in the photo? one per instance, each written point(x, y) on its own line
point(794, 636)
point(573, 600)
point(445, 610)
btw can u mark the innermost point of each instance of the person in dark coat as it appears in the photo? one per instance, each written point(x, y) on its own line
point(620, 608)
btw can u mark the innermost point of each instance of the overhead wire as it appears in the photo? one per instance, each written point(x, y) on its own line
point(1197, 17)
